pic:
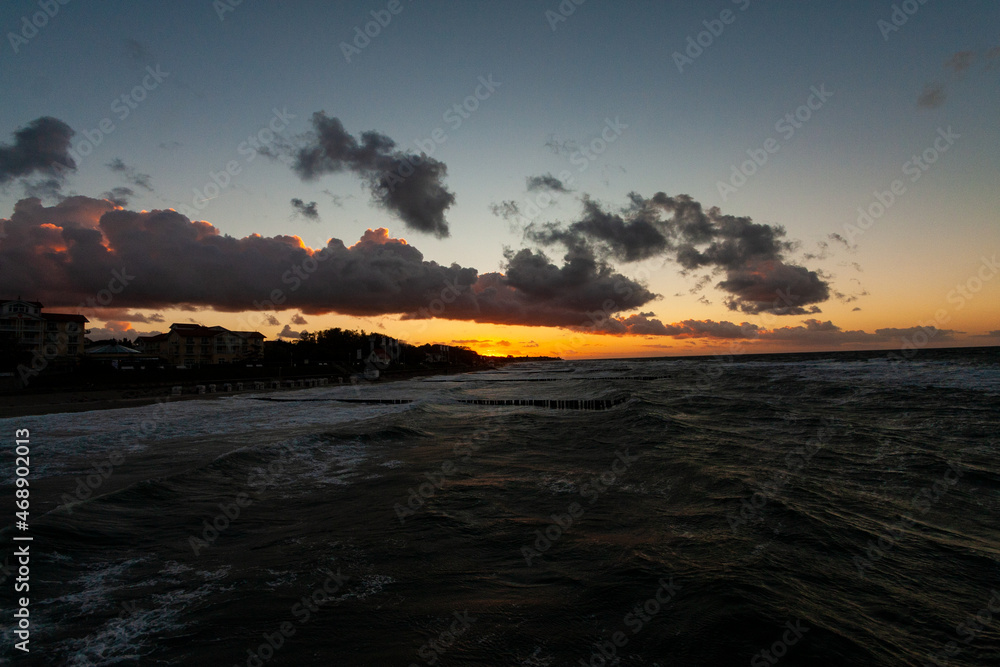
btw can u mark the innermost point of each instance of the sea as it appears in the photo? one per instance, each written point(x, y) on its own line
point(808, 509)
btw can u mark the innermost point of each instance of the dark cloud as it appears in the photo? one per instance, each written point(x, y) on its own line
point(935, 94)
point(307, 211)
point(841, 240)
point(124, 315)
point(771, 286)
point(700, 284)
point(851, 298)
point(810, 332)
point(288, 333)
point(130, 174)
point(933, 333)
point(534, 290)
point(932, 97)
point(338, 200)
point(170, 145)
point(960, 61)
point(560, 146)
point(546, 182)
point(816, 331)
point(112, 329)
point(119, 196)
point(508, 210)
point(628, 240)
point(409, 185)
point(643, 324)
point(298, 319)
point(38, 148)
point(64, 254)
point(750, 255)
point(43, 188)
point(822, 251)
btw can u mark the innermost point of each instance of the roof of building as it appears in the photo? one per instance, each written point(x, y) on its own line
point(187, 330)
point(250, 334)
point(33, 303)
point(193, 330)
point(155, 338)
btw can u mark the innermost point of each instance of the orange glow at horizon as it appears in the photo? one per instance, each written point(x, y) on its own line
point(501, 340)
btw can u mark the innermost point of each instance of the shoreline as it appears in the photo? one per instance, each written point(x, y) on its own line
point(79, 400)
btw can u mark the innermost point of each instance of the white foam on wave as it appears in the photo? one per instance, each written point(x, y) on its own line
point(74, 442)
point(125, 638)
point(94, 588)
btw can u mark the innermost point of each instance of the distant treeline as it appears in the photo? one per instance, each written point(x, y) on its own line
point(341, 346)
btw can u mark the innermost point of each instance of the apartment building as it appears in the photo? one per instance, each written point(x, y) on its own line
point(52, 334)
point(197, 345)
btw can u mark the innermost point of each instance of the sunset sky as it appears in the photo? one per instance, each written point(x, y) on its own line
point(588, 186)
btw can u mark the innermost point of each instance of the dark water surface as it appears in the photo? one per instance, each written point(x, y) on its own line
point(829, 509)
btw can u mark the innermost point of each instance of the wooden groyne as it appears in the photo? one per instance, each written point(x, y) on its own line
point(555, 379)
point(550, 403)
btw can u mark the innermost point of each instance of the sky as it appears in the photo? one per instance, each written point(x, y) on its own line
point(581, 179)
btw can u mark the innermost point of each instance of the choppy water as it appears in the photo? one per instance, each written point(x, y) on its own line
point(829, 509)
